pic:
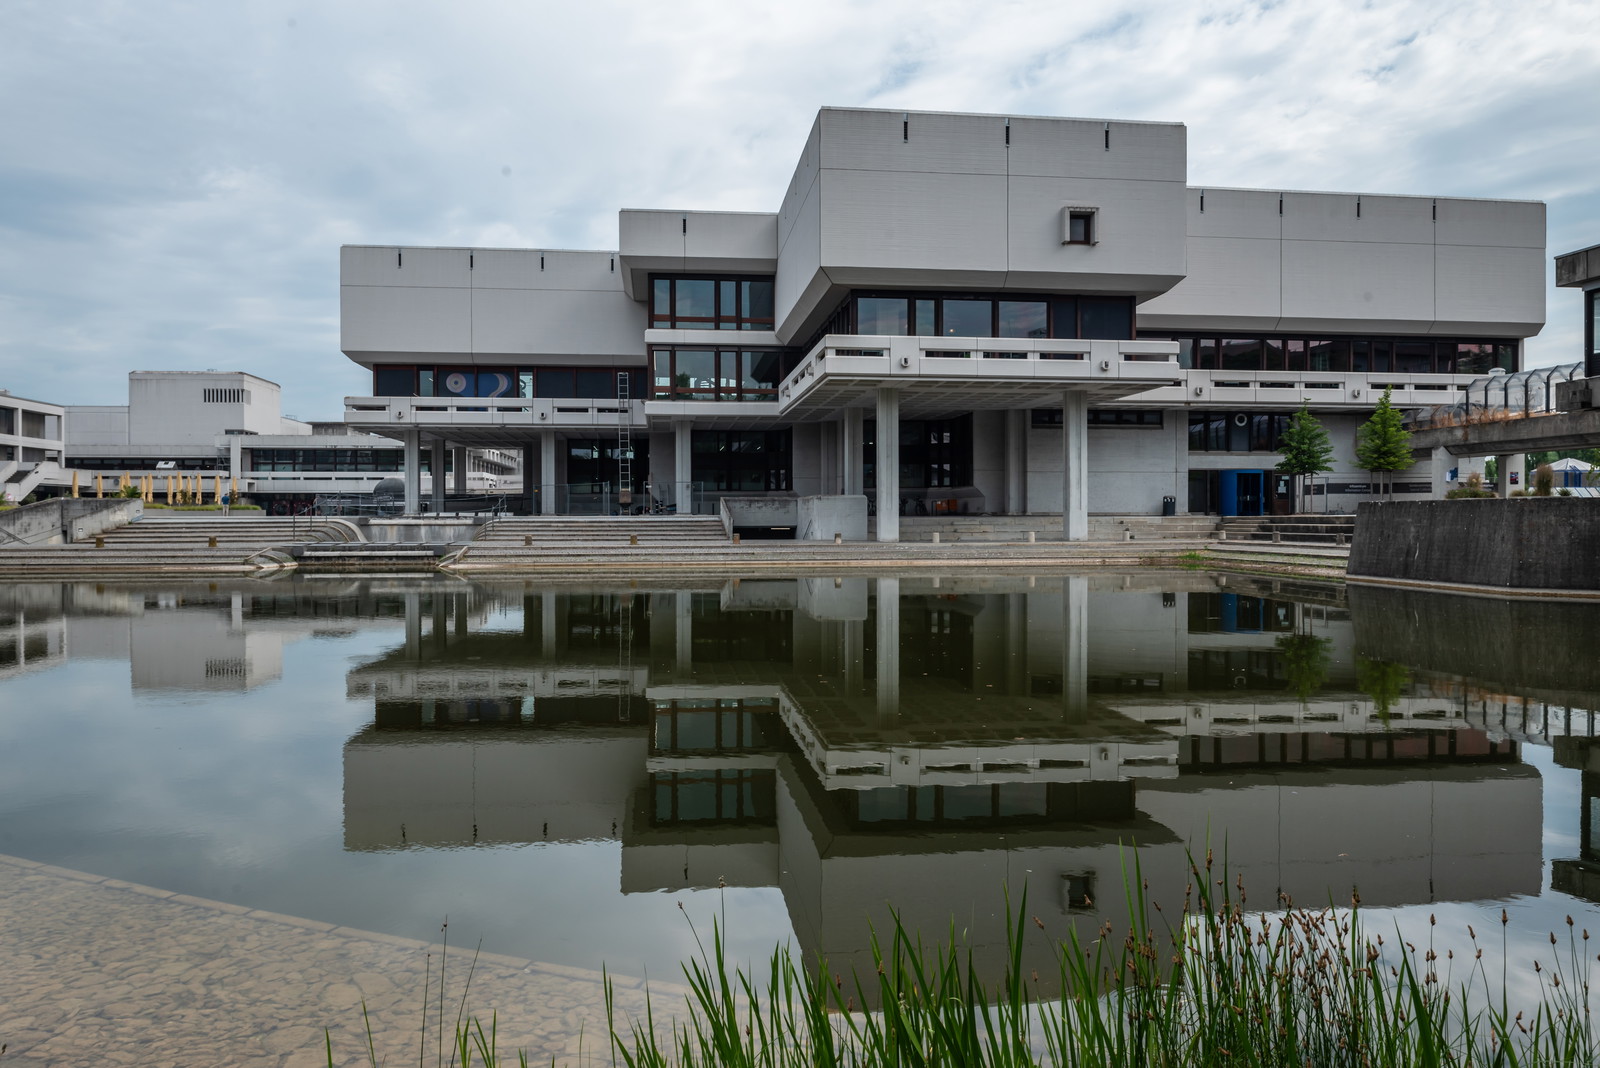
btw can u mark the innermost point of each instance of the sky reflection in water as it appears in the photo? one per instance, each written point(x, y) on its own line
point(556, 770)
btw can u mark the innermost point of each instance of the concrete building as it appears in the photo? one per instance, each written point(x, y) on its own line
point(31, 445)
point(229, 425)
point(952, 312)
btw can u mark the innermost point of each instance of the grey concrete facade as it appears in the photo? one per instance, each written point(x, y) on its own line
point(932, 208)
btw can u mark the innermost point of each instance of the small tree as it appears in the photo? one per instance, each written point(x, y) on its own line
point(1382, 444)
point(1306, 449)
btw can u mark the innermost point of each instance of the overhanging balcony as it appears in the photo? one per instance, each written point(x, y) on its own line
point(940, 376)
point(488, 420)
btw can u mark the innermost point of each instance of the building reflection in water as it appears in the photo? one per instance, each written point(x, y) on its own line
point(920, 744)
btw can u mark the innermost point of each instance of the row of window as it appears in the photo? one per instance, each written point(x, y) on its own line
point(680, 373)
point(1236, 431)
point(936, 315)
point(1146, 417)
point(711, 303)
point(729, 460)
point(557, 382)
point(326, 459)
point(1335, 355)
point(146, 463)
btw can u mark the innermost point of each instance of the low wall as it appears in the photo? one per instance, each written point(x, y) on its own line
point(823, 517)
point(1539, 543)
point(66, 519)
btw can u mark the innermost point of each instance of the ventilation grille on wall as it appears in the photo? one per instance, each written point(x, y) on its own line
point(226, 396)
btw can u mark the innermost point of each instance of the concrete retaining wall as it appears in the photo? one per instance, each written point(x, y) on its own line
point(1529, 543)
point(66, 519)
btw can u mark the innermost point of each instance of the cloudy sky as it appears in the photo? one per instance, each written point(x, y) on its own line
point(176, 178)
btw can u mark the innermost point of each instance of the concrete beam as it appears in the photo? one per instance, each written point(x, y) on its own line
point(1535, 433)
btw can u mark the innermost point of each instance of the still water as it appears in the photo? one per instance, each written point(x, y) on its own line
point(557, 769)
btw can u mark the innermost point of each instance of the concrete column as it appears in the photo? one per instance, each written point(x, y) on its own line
point(437, 470)
point(1503, 476)
point(850, 452)
point(1075, 652)
point(854, 652)
point(683, 633)
point(1074, 465)
point(888, 642)
point(459, 459)
point(828, 461)
point(1016, 462)
point(1016, 643)
point(413, 608)
point(887, 464)
point(682, 466)
point(529, 486)
point(547, 625)
point(548, 499)
point(1439, 471)
point(413, 472)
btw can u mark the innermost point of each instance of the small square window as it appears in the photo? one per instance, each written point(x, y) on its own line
point(1078, 226)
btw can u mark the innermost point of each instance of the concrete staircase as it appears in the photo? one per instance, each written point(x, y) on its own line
point(1292, 529)
point(1016, 528)
point(220, 544)
point(589, 535)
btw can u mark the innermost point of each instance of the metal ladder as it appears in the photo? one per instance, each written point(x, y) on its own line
point(624, 440)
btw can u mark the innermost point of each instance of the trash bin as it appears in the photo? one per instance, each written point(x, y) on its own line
point(1169, 506)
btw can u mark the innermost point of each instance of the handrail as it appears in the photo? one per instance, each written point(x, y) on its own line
point(727, 517)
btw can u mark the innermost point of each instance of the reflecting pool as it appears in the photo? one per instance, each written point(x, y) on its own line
point(557, 769)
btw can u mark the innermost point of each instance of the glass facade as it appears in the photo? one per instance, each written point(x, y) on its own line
point(967, 315)
point(718, 303)
point(682, 372)
point(1369, 355)
point(325, 459)
point(934, 453)
point(595, 383)
point(751, 460)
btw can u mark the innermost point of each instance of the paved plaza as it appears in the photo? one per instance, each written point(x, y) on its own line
point(104, 972)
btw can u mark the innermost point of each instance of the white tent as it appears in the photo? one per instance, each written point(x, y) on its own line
point(1571, 465)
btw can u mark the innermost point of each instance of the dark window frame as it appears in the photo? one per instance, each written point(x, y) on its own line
point(729, 289)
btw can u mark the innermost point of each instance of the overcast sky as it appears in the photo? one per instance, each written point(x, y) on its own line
point(176, 178)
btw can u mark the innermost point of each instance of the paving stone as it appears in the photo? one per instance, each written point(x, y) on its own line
point(102, 971)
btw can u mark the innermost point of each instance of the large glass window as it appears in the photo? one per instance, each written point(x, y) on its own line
point(968, 318)
point(557, 382)
point(682, 373)
point(1105, 317)
point(1023, 318)
point(881, 316)
point(729, 303)
point(740, 460)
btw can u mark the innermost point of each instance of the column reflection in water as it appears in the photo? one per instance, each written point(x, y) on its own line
point(1015, 733)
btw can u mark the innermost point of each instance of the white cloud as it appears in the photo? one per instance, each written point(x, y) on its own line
point(177, 177)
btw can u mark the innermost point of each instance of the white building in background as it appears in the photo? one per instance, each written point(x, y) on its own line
point(229, 425)
point(31, 445)
point(952, 312)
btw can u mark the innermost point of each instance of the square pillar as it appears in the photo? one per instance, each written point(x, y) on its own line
point(1074, 465)
point(1017, 462)
point(887, 464)
point(548, 504)
point(1439, 470)
point(436, 470)
point(528, 484)
point(850, 452)
point(888, 651)
point(1502, 479)
point(458, 457)
point(413, 472)
point(683, 466)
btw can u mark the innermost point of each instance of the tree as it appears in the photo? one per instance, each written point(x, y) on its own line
point(1306, 449)
point(1382, 444)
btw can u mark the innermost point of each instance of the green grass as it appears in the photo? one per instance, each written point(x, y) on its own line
point(1207, 984)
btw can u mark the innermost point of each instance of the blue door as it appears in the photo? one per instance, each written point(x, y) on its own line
point(1242, 492)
